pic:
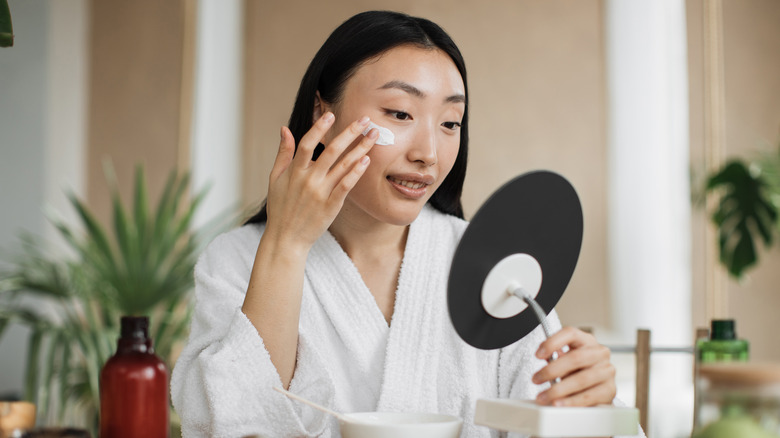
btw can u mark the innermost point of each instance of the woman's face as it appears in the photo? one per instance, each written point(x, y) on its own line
point(419, 95)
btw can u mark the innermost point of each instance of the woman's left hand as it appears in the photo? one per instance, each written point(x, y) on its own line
point(587, 375)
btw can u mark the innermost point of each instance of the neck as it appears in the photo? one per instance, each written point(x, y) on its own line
point(362, 236)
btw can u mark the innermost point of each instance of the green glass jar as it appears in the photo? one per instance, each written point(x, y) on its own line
point(723, 345)
point(739, 400)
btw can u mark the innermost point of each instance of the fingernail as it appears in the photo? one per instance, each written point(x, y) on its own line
point(559, 403)
point(364, 120)
point(281, 133)
point(536, 379)
point(328, 117)
point(541, 398)
point(373, 134)
point(541, 353)
point(364, 161)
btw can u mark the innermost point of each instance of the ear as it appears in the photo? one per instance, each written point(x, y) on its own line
point(320, 107)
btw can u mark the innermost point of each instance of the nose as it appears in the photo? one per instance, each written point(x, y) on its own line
point(423, 147)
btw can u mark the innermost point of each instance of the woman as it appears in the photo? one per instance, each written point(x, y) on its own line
point(336, 289)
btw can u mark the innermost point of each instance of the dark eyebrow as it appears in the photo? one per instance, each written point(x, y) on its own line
point(403, 86)
point(456, 98)
point(416, 92)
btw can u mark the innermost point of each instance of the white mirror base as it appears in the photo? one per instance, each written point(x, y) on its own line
point(525, 416)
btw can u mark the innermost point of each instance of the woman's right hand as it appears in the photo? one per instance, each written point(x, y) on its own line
point(305, 196)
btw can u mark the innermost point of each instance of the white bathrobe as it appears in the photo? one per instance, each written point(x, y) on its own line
point(348, 357)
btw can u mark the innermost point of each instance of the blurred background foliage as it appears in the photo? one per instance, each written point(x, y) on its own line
point(6, 28)
point(139, 264)
point(748, 195)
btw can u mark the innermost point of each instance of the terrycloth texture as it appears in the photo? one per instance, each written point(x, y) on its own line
point(348, 357)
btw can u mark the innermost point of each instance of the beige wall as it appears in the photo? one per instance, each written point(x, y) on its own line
point(137, 112)
point(751, 44)
point(536, 83)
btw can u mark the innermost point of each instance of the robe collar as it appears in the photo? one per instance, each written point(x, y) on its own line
point(406, 344)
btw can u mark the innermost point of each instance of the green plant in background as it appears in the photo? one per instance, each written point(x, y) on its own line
point(6, 28)
point(72, 305)
point(747, 211)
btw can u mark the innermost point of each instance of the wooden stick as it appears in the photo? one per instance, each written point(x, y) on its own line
point(311, 403)
point(643, 375)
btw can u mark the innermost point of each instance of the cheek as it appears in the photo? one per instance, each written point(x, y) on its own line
point(334, 131)
point(382, 155)
point(447, 155)
point(381, 159)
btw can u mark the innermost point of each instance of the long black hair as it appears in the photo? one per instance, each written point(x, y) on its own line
point(357, 40)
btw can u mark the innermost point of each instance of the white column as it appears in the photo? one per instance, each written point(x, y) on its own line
point(217, 115)
point(66, 112)
point(649, 228)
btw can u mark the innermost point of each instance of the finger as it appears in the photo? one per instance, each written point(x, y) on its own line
point(602, 374)
point(345, 164)
point(285, 155)
point(341, 142)
point(594, 395)
point(567, 336)
point(597, 395)
point(312, 138)
point(571, 361)
point(349, 180)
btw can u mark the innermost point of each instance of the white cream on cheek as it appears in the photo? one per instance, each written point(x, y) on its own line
point(386, 136)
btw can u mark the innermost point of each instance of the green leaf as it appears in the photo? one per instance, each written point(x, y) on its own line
point(4, 321)
point(33, 365)
point(92, 365)
point(96, 235)
point(141, 208)
point(65, 379)
point(49, 370)
point(164, 213)
point(24, 316)
point(6, 27)
point(36, 274)
point(124, 230)
point(744, 214)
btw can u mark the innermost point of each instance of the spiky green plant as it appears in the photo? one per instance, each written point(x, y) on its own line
point(72, 305)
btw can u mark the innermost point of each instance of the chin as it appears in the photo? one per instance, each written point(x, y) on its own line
point(403, 215)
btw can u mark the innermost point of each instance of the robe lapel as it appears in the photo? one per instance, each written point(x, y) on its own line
point(336, 283)
point(412, 349)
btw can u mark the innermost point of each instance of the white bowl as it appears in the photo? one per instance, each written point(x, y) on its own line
point(397, 424)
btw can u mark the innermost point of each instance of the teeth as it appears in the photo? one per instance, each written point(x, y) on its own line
point(409, 184)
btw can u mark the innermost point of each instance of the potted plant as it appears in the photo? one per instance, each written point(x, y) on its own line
point(748, 195)
point(72, 305)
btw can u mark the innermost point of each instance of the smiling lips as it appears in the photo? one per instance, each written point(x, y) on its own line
point(411, 186)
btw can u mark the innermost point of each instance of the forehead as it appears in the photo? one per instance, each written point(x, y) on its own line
point(429, 69)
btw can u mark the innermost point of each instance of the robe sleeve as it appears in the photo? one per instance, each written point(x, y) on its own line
point(222, 384)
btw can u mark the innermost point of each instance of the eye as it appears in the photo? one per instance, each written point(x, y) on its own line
point(451, 125)
point(400, 115)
